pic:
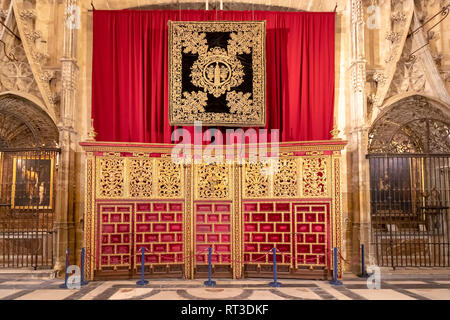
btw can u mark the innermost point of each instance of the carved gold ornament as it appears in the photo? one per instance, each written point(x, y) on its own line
point(315, 174)
point(217, 73)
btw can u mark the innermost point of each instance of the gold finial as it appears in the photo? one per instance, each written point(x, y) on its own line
point(335, 132)
point(92, 134)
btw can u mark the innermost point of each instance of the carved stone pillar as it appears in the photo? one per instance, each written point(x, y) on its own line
point(66, 233)
point(357, 140)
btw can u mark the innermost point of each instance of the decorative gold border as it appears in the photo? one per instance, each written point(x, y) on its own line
point(237, 249)
point(175, 72)
point(90, 219)
point(189, 225)
point(13, 191)
point(298, 146)
point(337, 210)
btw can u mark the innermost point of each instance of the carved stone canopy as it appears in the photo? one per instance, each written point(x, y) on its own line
point(412, 125)
point(23, 124)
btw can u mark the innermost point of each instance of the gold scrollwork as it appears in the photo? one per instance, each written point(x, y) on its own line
point(315, 173)
point(285, 180)
point(256, 184)
point(111, 181)
point(140, 178)
point(216, 72)
point(169, 179)
point(213, 181)
point(193, 103)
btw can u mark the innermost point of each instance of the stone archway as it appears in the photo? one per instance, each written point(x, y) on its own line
point(28, 162)
point(23, 124)
point(409, 154)
point(412, 125)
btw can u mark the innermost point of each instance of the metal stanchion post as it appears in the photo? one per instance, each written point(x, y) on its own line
point(210, 283)
point(142, 282)
point(275, 283)
point(335, 281)
point(82, 281)
point(66, 276)
point(364, 273)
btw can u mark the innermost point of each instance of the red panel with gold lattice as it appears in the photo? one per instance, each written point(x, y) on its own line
point(267, 225)
point(312, 234)
point(213, 229)
point(115, 223)
point(296, 229)
point(159, 228)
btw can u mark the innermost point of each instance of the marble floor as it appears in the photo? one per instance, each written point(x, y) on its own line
point(353, 288)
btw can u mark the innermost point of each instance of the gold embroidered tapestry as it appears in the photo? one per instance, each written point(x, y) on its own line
point(217, 73)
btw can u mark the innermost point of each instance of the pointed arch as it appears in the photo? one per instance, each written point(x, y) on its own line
point(25, 124)
point(411, 124)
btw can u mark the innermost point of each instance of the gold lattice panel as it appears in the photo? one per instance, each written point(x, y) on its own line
point(316, 177)
point(213, 181)
point(279, 179)
point(138, 178)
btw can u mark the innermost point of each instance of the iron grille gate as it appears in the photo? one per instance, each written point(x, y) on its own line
point(27, 189)
point(410, 200)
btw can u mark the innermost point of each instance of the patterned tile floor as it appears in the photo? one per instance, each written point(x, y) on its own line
point(353, 288)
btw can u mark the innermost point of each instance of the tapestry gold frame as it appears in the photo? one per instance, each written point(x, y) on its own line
point(246, 109)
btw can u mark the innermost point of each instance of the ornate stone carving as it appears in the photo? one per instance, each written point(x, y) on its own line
point(412, 125)
point(285, 180)
point(409, 75)
point(111, 181)
point(358, 76)
point(3, 13)
point(398, 17)
point(393, 37)
point(314, 182)
point(357, 12)
point(213, 181)
point(379, 78)
point(140, 175)
point(16, 74)
point(32, 35)
point(69, 75)
point(48, 75)
point(36, 58)
point(401, 15)
point(169, 179)
point(26, 14)
point(39, 57)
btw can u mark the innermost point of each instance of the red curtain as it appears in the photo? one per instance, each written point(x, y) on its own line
point(130, 72)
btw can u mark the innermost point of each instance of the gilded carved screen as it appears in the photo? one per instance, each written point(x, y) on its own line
point(217, 73)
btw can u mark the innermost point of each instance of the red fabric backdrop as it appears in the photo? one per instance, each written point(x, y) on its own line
point(130, 72)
